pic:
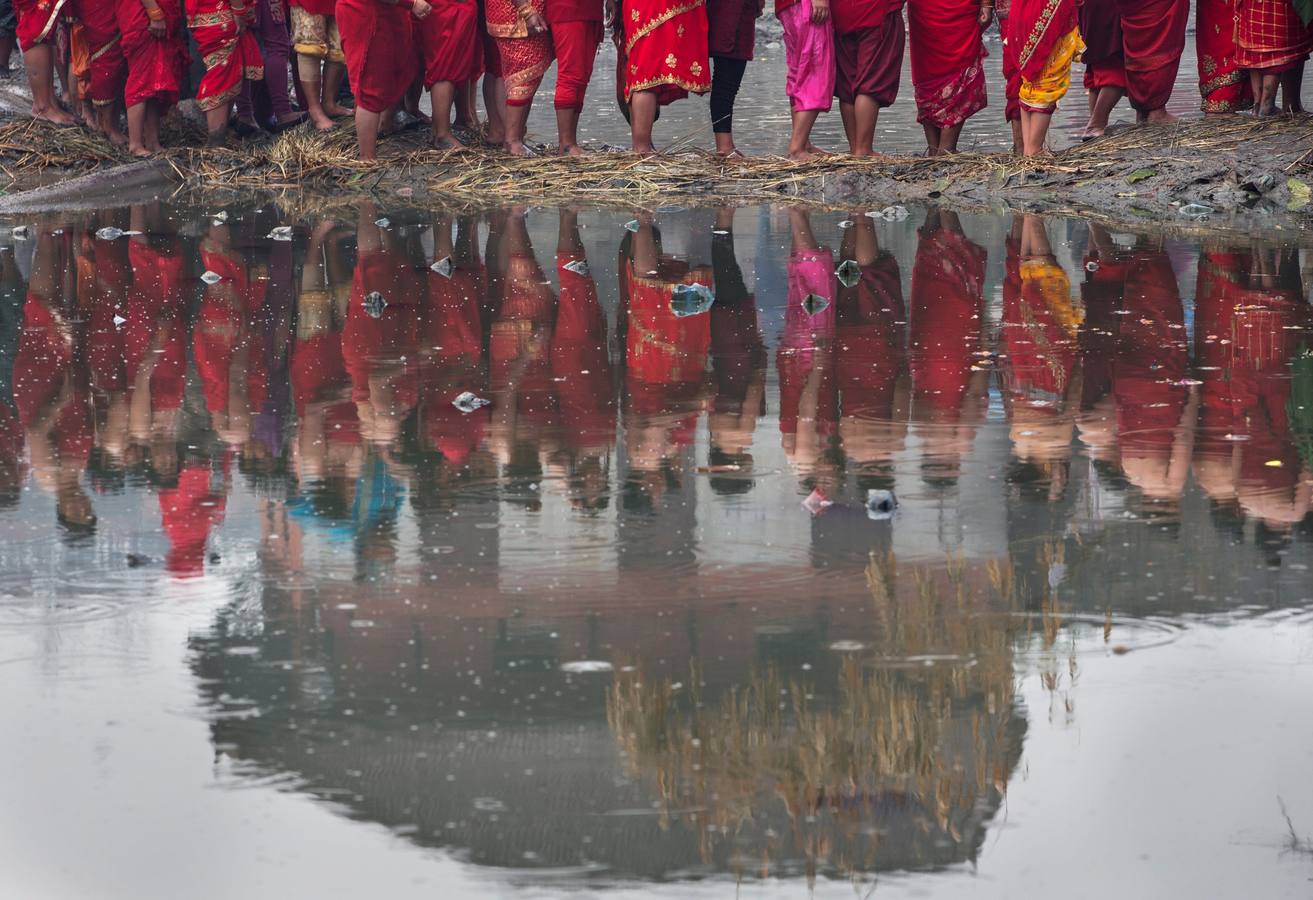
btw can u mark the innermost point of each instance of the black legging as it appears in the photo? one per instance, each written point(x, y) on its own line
point(726, 76)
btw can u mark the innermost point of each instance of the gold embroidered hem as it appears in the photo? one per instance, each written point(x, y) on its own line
point(693, 87)
point(657, 21)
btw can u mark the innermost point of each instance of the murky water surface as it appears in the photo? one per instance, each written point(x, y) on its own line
point(703, 553)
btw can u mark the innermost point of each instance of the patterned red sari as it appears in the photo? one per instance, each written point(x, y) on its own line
point(1222, 84)
point(230, 58)
point(948, 60)
point(1035, 27)
point(36, 21)
point(525, 58)
point(666, 48)
point(1270, 36)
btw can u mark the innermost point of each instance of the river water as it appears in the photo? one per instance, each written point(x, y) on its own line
point(962, 556)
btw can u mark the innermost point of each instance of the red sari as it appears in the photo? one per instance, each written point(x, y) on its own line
point(37, 20)
point(379, 44)
point(1153, 38)
point(155, 65)
point(100, 30)
point(449, 41)
point(230, 58)
point(1034, 29)
point(1270, 36)
point(948, 60)
point(666, 48)
point(1222, 83)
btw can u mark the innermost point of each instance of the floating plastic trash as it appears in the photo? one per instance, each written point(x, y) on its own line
point(720, 231)
point(375, 303)
point(847, 646)
point(211, 277)
point(894, 213)
point(584, 666)
point(815, 303)
point(816, 503)
point(384, 222)
point(880, 504)
point(691, 299)
point(109, 233)
point(1195, 211)
point(632, 225)
point(220, 217)
point(577, 266)
point(281, 233)
point(21, 232)
point(849, 273)
point(467, 402)
point(443, 267)
point(119, 321)
point(1092, 266)
point(846, 223)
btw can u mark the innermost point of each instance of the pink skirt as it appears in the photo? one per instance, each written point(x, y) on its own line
point(809, 51)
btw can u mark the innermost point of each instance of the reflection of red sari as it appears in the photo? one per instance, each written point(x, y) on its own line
point(581, 362)
point(666, 48)
point(37, 20)
point(1039, 335)
point(158, 304)
point(42, 364)
point(188, 512)
point(155, 65)
point(1223, 84)
point(528, 309)
point(379, 44)
point(948, 281)
point(223, 333)
point(666, 355)
point(948, 59)
point(230, 58)
point(1153, 35)
point(1152, 358)
point(112, 278)
point(869, 334)
point(389, 342)
point(1101, 296)
point(453, 347)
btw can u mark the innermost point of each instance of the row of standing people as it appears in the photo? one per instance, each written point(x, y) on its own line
point(294, 370)
point(134, 52)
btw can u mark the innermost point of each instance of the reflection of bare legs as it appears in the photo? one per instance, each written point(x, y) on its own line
point(1034, 239)
point(800, 227)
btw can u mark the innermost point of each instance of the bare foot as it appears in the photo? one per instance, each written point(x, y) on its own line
point(334, 111)
point(117, 138)
point(139, 151)
point(322, 121)
point(446, 142)
point(517, 148)
point(644, 149)
point(802, 155)
point(1160, 117)
point(56, 115)
point(573, 150)
point(1090, 132)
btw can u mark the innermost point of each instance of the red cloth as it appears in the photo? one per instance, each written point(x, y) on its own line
point(188, 512)
point(858, 15)
point(524, 62)
point(43, 363)
point(529, 307)
point(666, 355)
point(948, 59)
point(371, 345)
point(448, 38)
point(100, 29)
point(559, 11)
point(871, 330)
point(155, 65)
point(1152, 358)
point(491, 55)
point(1101, 29)
point(1223, 84)
point(37, 21)
point(1153, 38)
point(581, 361)
point(157, 307)
point(317, 7)
point(379, 44)
point(948, 279)
point(1011, 72)
point(869, 60)
point(230, 58)
point(731, 28)
point(1034, 29)
point(576, 44)
point(1271, 36)
point(666, 49)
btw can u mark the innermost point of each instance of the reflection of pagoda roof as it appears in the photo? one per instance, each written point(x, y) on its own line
point(463, 731)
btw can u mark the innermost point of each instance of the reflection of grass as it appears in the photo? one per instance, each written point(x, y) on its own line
point(917, 746)
point(1294, 843)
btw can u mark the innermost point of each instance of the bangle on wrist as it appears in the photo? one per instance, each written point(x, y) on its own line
point(155, 14)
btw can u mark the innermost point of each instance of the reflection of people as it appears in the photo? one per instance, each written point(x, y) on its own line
point(805, 359)
point(1250, 313)
point(1039, 350)
point(1155, 407)
point(51, 390)
point(949, 388)
point(738, 367)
